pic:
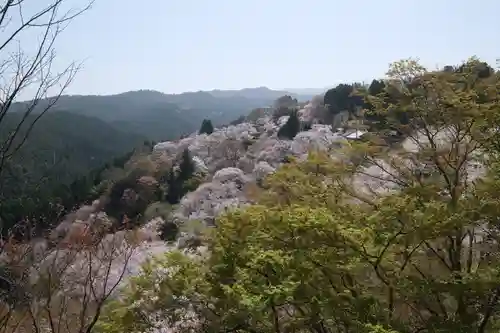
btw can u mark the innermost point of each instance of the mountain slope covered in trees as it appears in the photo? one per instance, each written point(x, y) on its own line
point(60, 148)
point(69, 144)
point(166, 116)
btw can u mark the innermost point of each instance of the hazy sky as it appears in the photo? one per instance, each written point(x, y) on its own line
point(186, 45)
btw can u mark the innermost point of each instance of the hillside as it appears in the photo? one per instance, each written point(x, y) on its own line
point(82, 133)
point(61, 147)
point(83, 141)
point(228, 165)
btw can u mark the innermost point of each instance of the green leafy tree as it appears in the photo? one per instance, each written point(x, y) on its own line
point(206, 127)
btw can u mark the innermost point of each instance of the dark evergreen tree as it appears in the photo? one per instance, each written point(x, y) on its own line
point(116, 207)
point(286, 101)
point(206, 127)
point(281, 112)
point(173, 192)
point(186, 167)
point(175, 181)
point(376, 87)
point(338, 99)
point(290, 129)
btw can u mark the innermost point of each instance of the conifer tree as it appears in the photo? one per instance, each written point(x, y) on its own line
point(206, 127)
point(186, 166)
point(173, 191)
point(175, 181)
point(290, 129)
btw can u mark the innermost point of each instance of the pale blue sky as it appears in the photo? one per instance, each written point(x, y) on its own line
point(186, 45)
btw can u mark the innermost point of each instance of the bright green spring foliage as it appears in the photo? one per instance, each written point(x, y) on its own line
point(380, 238)
point(159, 297)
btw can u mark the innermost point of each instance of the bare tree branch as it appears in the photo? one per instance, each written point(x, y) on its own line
point(26, 69)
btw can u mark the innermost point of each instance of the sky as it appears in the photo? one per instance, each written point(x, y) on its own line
point(188, 45)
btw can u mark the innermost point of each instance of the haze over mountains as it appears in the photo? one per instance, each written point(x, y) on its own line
point(158, 116)
point(308, 91)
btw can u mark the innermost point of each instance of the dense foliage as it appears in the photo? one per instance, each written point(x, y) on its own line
point(58, 164)
point(333, 246)
point(341, 98)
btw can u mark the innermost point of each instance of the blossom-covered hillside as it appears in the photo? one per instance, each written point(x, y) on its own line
point(238, 155)
point(228, 163)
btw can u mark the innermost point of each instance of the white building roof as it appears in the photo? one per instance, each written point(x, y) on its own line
point(355, 135)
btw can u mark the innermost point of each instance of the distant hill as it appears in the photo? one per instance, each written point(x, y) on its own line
point(307, 91)
point(160, 116)
point(258, 93)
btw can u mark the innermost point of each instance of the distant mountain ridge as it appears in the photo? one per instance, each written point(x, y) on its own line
point(259, 92)
point(307, 91)
point(160, 116)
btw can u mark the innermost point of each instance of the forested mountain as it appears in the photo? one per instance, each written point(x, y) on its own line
point(68, 144)
point(165, 116)
point(258, 219)
point(60, 148)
